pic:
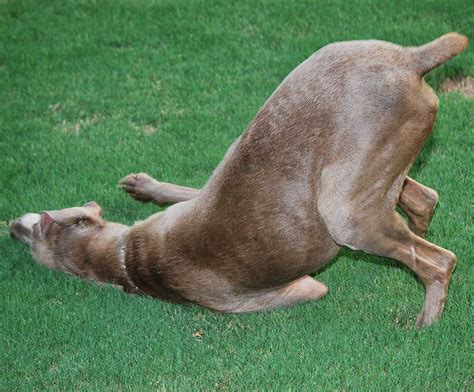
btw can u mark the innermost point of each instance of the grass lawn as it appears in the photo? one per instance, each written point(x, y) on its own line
point(91, 91)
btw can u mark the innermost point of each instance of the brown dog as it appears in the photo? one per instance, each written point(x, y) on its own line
point(322, 165)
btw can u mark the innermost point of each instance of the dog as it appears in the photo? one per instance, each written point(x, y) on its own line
point(322, 165)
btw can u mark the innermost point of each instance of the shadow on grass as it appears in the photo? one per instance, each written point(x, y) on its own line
point(358, 256)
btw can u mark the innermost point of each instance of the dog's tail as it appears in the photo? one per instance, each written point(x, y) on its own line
point(429, 56)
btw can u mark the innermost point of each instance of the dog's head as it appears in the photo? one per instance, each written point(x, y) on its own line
point(75, 240)
point(32, 228)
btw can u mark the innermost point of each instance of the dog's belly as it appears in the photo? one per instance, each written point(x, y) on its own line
point(270, 246)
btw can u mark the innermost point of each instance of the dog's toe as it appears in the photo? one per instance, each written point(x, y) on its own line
point(140, 186)
point(128, 180)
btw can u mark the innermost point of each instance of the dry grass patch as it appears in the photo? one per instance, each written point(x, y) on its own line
point(464, 85)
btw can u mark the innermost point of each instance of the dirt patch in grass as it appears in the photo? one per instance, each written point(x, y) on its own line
point(149, 129)
point(464, 85)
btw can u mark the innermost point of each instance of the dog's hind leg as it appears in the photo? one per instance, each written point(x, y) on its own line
point(418, 202)
point(301, 290)
point(145, 188)
point(389, 236)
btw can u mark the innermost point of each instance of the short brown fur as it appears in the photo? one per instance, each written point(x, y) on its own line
point(322, 165)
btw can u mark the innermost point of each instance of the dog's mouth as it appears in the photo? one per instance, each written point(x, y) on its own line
point(22, 229)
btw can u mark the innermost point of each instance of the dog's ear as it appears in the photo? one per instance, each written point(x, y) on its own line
point(91, 212)
point(95, 210)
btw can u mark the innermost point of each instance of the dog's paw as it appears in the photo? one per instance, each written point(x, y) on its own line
point(140, 186)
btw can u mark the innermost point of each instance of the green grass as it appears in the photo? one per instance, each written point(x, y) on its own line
point(91, 91)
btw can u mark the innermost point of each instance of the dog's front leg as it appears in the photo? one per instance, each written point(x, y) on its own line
point(145, 188)
point(418, 202)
